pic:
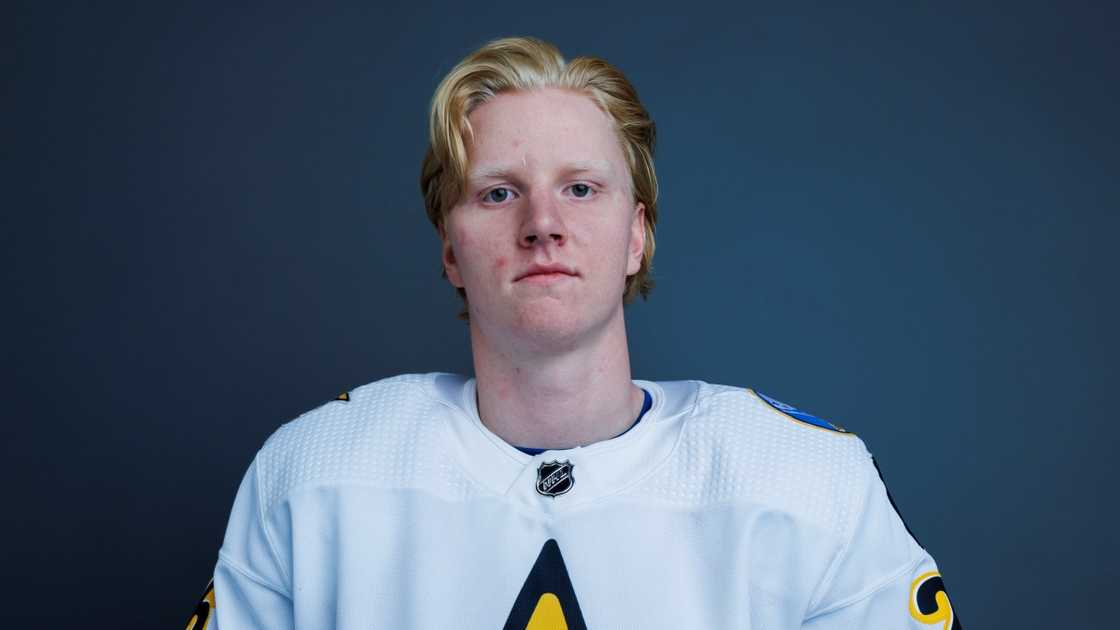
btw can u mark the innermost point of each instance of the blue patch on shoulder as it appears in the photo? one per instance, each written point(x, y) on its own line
point(797, 414)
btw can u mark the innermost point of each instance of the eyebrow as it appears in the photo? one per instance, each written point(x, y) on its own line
point(499, 171)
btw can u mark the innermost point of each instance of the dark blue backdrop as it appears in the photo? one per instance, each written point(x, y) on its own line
point(900, 218)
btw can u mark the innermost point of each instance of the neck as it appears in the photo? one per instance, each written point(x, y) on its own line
point(557, 399)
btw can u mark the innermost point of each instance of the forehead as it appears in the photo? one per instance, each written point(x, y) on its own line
point(542, 129)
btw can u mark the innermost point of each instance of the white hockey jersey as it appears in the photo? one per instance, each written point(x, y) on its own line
point(395, 507)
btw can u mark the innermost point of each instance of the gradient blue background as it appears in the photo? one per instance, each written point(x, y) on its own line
point(902, 219)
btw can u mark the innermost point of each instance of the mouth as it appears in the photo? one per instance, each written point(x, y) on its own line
point(546, 273)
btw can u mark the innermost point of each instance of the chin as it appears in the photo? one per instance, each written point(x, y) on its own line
point(547, 324)
point(553, 326)
point(552, 323)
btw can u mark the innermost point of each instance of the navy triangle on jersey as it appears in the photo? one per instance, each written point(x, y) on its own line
point(547, 595)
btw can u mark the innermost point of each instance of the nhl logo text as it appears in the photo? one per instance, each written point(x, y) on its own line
point(555, 478)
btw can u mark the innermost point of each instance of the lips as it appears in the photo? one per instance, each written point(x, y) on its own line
point(539, 270)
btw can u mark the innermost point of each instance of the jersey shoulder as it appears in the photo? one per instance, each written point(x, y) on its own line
point(793, 413)
point(374, 434)
point(738, 447)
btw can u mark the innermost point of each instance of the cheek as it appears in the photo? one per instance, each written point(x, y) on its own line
point(463, 244)
point(619, 238)
point(461, 240)
point(476, 254)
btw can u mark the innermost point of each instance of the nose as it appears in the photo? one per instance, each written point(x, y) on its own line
point(542, 223)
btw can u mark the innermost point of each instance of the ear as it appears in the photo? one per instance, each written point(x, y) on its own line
point(450, 265)
point(637, 240)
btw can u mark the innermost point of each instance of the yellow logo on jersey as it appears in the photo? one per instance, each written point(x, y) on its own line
point(929, 603)
point(200, 619)
point(548, 615)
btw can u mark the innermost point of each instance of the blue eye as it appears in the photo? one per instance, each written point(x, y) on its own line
point(504, 195)
point(581, 190)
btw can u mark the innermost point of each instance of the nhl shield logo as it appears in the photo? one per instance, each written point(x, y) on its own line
point(555, 478)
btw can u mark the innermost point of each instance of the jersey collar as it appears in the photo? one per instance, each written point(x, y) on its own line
point(599, 469)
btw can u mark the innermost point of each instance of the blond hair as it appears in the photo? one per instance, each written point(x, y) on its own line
point(524, 64)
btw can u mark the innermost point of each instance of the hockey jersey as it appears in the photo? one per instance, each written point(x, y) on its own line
point(395, 507)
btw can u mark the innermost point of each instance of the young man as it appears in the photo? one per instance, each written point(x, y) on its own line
point(552, 490)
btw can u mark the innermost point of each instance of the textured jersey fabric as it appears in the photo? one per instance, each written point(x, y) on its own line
point(398, 508)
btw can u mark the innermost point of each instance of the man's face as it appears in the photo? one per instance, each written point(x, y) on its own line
point(547, 230)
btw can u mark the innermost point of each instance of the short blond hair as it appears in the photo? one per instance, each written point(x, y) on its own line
point(524, 64)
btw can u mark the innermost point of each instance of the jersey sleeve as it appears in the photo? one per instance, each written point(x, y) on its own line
point(250, 582)
point(883, 578)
